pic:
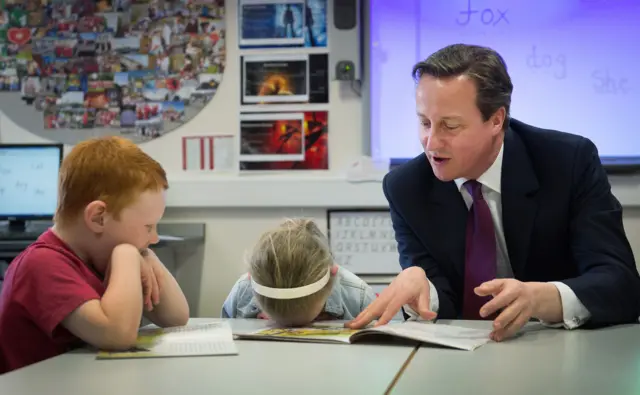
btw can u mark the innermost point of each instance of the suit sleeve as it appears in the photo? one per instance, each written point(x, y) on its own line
point(608, 284)
point(413, 253)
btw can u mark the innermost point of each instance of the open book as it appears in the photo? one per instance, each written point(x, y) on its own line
point(208, 339)
point(424, 332)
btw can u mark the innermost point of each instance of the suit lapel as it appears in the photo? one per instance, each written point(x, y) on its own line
point(519, 185)
point(447, 221)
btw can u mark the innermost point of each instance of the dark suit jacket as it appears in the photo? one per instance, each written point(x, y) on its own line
point(560, 219)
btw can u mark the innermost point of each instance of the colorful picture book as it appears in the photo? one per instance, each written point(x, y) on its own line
point(423, 332)
point(207, 339)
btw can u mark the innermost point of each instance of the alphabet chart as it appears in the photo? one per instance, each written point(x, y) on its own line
point(363, 241)
point(29, 180)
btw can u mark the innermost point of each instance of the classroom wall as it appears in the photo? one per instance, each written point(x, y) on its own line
point(212, 268)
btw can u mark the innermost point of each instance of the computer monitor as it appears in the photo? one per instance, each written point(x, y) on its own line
point(28, 182)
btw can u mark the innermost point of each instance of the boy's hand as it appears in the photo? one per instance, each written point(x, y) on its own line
point(150, 279)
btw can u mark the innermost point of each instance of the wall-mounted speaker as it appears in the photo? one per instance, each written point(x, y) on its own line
point(345, 14)
point(345, 40)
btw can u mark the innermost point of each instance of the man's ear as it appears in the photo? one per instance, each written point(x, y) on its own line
point(334, 270)
point(497, 120)
point(95, 216)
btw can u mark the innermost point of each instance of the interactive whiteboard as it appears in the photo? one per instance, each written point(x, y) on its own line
point(573, 64)
point(363, 241)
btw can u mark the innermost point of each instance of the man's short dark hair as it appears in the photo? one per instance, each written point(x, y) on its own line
point(484, 66)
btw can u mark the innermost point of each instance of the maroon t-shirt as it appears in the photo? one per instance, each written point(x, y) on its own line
point(42, 286)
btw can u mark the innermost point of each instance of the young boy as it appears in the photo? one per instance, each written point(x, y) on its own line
point(87, 279)
point(293, 280)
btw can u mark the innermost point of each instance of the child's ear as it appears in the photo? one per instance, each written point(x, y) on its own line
point(334, 270)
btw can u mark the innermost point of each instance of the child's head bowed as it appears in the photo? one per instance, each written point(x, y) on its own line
point(292, 272)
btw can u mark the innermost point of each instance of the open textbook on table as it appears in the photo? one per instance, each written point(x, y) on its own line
point(208, 339)
point(424, 332)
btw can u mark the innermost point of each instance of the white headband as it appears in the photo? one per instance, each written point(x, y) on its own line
point(291, 293)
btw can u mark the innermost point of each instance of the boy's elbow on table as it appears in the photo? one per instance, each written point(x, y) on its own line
point(91, 324)
point(118, 339)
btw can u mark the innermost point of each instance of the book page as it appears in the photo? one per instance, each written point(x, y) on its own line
point(200, 339)
point(194, 347)
point(311, 334)
point(444, 335)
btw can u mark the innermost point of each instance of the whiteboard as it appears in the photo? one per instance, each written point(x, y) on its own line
point(363, 241)
point(583, 52)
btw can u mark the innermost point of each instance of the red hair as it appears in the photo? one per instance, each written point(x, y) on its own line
point(110, 169)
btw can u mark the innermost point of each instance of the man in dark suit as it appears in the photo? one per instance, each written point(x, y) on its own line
point(498, 219)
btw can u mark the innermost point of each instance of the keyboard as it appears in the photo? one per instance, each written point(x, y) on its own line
point(19, 236)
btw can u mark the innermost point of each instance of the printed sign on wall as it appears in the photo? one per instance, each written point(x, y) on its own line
point(208, 153)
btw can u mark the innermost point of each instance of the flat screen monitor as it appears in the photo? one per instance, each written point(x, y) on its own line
point(29, 182)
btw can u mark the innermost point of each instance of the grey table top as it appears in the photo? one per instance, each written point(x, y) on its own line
point(261, 367)
point(538, 362)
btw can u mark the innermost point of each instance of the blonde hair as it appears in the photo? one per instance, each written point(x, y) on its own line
point(293, 255)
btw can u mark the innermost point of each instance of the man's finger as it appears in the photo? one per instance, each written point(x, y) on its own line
point(365, 317)
point(422, 306)
point(510, 330)
point(386, 316)
point(489, 287)
point(500, 301)
point(507, 315)
point(373, 311)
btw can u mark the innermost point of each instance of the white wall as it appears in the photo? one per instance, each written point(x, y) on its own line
point(230, 231)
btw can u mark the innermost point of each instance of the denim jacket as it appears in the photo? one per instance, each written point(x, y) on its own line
point(349, 296)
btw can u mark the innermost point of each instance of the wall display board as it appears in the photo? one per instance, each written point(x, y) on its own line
point(363, 241)
point(75, 69)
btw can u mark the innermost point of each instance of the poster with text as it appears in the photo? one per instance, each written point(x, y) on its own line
point(282, 23)
point(295, 78)
point(284, 141)
point(74, 69)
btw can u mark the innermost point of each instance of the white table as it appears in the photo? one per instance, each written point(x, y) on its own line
point(266, 367)
point(540, 361)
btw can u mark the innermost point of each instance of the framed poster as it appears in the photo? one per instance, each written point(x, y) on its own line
point(284, 141)
point(282, 23)
point(284, 79)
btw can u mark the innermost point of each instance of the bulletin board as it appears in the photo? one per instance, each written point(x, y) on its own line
point(75, 69)
point(363, 241)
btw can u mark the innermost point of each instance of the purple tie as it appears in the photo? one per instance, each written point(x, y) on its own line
point(480, 257)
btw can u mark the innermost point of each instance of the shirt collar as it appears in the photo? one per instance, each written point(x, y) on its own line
point(491, 178)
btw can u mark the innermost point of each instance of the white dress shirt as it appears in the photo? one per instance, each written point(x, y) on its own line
point(573, 311)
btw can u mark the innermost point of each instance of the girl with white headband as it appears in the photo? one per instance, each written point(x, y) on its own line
point(293, 280)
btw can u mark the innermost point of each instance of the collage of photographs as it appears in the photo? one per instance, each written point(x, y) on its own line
point(293, 75)
point(87, 68)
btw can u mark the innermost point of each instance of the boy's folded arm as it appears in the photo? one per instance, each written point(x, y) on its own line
point(173, 309)
point(113, 321)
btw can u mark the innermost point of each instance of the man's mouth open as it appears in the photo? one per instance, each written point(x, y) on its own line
point(440, 160)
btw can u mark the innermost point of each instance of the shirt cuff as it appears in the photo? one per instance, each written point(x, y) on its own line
point(433, 305)
point(574, 314)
